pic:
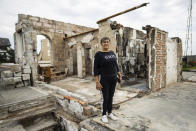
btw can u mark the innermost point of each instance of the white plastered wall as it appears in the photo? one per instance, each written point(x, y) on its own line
point(171, 74)
point(80, 53)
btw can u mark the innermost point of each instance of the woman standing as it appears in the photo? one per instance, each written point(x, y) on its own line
point(105, 66)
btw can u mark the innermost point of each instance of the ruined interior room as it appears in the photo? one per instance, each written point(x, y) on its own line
point(53, 71)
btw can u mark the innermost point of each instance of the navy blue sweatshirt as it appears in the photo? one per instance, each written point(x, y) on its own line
point(105, 64)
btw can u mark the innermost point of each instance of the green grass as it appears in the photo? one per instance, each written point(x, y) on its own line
point(188, 68)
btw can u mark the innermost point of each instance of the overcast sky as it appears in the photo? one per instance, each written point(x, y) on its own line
point(168, 15)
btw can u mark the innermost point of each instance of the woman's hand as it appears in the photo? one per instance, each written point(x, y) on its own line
point(120, 77)
point(98, 85)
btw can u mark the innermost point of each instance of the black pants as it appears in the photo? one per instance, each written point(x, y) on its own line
point(108, 83)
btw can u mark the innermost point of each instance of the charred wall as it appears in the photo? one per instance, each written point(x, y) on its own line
point(129, 45)
point(131, 52)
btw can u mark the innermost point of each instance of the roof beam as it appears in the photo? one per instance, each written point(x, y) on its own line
point(123, 12)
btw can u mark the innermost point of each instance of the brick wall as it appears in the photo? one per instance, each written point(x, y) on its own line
point(156, 42)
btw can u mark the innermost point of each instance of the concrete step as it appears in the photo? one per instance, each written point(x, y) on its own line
point(16, 104)
point(39, 123)
point(48, 125)
point(38, 111)
point(40, 120)
point(124, 123)
point(14, 126)
point(27, 109)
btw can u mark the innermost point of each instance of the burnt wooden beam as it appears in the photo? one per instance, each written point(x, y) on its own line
point(123, 12)
point(93, 30)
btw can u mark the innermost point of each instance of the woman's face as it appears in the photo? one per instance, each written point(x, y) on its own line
point(106, 44)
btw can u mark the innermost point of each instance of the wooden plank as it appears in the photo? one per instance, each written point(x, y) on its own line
point(93, 30)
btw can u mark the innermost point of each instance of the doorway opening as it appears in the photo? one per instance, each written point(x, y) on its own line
point(43, 49)
point(44, 58)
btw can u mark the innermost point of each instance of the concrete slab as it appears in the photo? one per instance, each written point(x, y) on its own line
point(189, 76)
point(20, 103)
point(86, 88)
point(139, 85)
point(18, 95)
point(42, 124)
point(12, 127)
point(172, 108)
point(125, 123)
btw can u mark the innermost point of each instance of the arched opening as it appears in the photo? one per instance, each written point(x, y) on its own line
point(43, 49)
point(44, 58)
